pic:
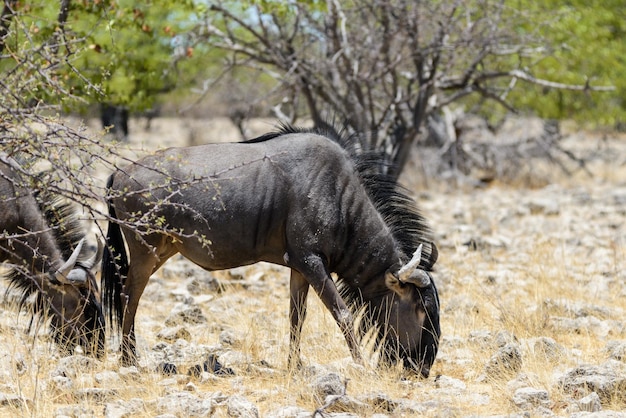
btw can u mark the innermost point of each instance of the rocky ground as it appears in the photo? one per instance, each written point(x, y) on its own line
point(533, 297)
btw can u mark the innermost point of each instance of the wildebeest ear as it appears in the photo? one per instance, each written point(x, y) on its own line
point(393, 283)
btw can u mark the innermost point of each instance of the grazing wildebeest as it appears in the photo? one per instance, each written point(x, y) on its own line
point(42, 239)
point(294, 198)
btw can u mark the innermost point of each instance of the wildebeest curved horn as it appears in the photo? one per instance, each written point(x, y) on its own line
point(97, 257)
point(64, 270)
point(419, 278)
point(409, 273)
point(408, 268)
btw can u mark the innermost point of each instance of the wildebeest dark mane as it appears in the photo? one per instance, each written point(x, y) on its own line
point(61, 217)
point(407, 224)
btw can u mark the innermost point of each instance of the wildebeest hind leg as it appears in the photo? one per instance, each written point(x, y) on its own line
point(143, 263)
point(299, 288)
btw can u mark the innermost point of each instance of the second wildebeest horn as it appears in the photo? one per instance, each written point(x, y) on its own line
point(64, 270)
point(409, 273)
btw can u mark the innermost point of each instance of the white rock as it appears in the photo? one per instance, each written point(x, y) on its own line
point(590, 403)
point(239, 406)
point(528, 398)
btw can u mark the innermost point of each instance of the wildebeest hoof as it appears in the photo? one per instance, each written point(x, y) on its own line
point(212, 365)
point(167, 369)
point(195, 371)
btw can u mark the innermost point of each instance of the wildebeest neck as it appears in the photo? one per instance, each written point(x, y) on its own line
point(369, 250)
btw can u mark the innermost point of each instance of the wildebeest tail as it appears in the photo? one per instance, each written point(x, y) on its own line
point(114, 269)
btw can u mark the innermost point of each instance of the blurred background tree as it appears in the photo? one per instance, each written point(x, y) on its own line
point(119, 54)
point(585, 44)
point(382, 67)
point(385, 67)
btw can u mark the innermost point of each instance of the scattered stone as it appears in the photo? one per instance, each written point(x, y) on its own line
point(228, 337)
point(124, 409)
point(504, 337)
point(522, 380)
point(62, 383)
point(108, 378)
point(547, 207)
point(14, 401)
point(447, 382)
point(96, 394)
point(168, 383)
point(185, 314)
point(507, 360)
point(616, 350)
point(203, 285)
point(462, 303)
point(86, 380)
point(238, 406)
point(590, 403)
point(549, 349)
point(172, 334)
point(131, 372)
point(238, 273)
point(481, 337)
point(411, 408)
point(380, 401)
point(530, 398)
point(600, 328)
point(342, 403)
point(599, 414)
point(178, 271)
point(184, 404)
point(607, 380)
point(72, 366)
point(232, 358)
point(74, 411)
point(480, 243)
point(577, 309)
point(289, 412)
point(262, 368)
point(328, 384)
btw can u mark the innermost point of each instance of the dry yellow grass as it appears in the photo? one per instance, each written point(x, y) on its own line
point(525, 269)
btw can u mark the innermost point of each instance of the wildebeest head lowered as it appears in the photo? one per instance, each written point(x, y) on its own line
point(295, 198)
point(42, 239)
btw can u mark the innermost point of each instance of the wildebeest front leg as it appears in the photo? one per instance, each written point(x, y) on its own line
point(319, 278)
point(299, 288)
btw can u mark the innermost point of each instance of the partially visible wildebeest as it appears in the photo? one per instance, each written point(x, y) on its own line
point(41, 237)
point(294, 198)
point(114, 119)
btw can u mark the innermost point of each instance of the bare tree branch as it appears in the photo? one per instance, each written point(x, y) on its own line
point(561, 86)
point(5, 20)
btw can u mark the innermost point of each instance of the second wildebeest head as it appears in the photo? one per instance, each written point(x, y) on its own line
point(43, 240)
